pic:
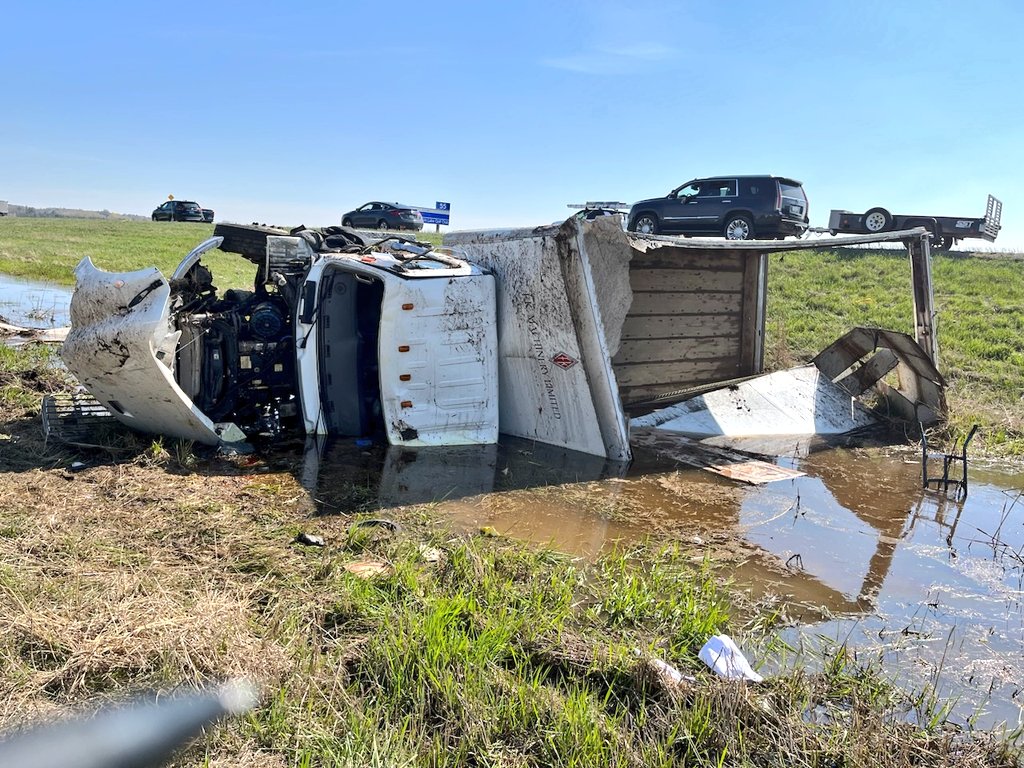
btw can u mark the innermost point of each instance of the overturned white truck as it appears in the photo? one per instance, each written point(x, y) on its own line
point(556, 334)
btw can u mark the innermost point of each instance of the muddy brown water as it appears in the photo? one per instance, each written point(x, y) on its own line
point(854, 552)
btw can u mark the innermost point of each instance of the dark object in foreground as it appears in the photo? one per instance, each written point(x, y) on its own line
point(143, 732)
point(309, 540)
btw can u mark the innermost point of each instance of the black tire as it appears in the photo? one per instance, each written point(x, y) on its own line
point(943, 243)
point(877, 220)
point(738, 227)
point(347, 223)
point(155, 218)
point(249, 241)
point(383, 225)
point(646, 224)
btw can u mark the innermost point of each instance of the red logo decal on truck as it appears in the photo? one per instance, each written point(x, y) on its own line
point(563, 361)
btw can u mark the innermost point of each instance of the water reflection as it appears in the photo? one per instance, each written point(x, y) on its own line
point(933, 585)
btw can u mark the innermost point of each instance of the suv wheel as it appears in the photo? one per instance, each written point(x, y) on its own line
point(646, 224)
point(739, 227)
point(877, 220)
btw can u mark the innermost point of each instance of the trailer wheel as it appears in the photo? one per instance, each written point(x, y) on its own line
point(943, 243)
point(877, 220)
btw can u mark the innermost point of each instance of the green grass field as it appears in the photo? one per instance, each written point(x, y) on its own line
point(814, 297)
point(49, 249)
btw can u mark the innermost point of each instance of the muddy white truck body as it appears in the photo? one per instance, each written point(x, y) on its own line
point(346, 343)
point(557, 334)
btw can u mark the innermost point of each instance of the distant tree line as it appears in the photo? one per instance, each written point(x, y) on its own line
point(28, 212)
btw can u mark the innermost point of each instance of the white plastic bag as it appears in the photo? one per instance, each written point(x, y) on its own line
point(727, 660)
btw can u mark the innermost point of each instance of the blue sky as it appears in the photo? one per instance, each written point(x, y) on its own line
point(294, 113)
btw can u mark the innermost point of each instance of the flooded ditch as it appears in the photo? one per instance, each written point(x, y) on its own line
point(854, 552)
point(34, 304)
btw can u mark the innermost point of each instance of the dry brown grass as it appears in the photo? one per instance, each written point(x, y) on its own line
point(152, 568)
point(127, 574)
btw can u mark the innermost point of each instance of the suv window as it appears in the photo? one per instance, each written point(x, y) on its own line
point(797, 193)
point(690, 190)
point(718, 188)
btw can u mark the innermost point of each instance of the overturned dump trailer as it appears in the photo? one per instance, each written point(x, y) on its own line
point(596, 325)
point(556, 334)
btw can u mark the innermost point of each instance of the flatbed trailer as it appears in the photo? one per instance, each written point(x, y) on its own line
point(946, 231)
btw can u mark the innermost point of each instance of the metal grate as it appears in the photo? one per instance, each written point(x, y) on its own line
point(73, 418)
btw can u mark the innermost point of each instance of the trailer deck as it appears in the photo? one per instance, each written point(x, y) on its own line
point(946, 231)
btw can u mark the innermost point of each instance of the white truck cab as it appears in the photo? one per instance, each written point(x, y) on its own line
point(356, 343)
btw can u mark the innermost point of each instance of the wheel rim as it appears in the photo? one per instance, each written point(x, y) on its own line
point(737, 229)
point(645, 225)
point(382, 225)
point(874, 222)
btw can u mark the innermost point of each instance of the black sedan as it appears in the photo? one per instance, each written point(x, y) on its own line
point(179, 210)
point(384, 216)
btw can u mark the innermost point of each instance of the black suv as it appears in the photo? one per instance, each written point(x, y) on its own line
point(180, 210)
point(734, 207)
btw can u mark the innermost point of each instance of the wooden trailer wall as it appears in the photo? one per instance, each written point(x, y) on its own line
point(697, 317)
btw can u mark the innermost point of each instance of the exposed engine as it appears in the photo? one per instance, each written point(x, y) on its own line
point(236, 357)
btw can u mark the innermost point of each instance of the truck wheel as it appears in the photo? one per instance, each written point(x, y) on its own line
point(877, 220)
point(646, 224)
point(739, 227)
